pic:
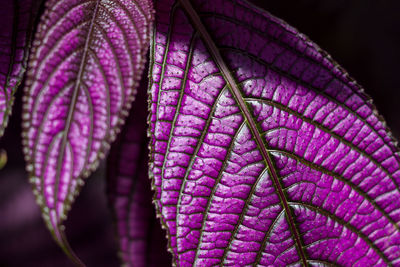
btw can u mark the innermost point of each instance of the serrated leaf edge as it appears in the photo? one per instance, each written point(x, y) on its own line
point(58, 233)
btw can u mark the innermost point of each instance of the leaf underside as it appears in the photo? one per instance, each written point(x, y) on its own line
point(142, 242)
point(86, 61)
point(263, 150)
point(17, 18)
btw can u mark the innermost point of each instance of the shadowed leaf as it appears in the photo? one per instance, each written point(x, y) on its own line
point(86, 61)
point(263, 150)
point(17, 18)
point(142, 241)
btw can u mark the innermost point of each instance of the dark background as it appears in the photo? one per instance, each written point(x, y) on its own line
point(362, 35)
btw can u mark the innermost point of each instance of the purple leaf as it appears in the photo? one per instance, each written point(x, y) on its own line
point(141, 239)
point(17, 18)
point(263, 150)
point(86, 61)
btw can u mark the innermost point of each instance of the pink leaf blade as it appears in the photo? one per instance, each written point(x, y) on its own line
point(85, 65)
point(264, 151)
point(142, 242)
point(17, 19)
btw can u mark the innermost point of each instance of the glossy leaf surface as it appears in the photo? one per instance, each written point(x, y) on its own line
point(142, 242)
point(86, 61)
point(17, 19)
point(263, 150)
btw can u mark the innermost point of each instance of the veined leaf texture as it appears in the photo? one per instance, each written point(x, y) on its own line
point(85, 65)
point(15, 36)
point(263, 150)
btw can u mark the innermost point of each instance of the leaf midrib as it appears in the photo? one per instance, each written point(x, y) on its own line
point(74, 100)
point(214, 51)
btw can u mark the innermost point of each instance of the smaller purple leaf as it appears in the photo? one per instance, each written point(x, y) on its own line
point(142, 242)
point(86, 62)
point(17, 21)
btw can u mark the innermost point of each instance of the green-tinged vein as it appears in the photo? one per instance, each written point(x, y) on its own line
point(217, 181)
point(42, 92)
point(50, 147)
point(266, 237)
point(49, 32)
point(131, 20)
point(327, 130)
point(123, 31)
point(118, 67)
point(314, 89)
point(89, 145)
point(196, 21)
point(157, 203)
point(193, 155)
point(177, 112)
point(73, 104)
point(42, 187)
point(344, 224)
point(325, 263)
point(338, 177)
point(243, 213)
point(277, 40)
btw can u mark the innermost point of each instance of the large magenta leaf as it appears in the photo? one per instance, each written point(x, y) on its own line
point(263, 150)
point(85, 64)
point(142, 242)
point(17, 19)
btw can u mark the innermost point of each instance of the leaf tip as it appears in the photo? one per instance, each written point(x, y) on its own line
point(59, 236)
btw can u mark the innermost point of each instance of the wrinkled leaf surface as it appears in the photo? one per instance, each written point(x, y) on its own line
point(263, 150)
point(17, 19)
point(142, 242)
point(86, 61)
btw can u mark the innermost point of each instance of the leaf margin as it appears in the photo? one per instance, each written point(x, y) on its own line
point(58, 233)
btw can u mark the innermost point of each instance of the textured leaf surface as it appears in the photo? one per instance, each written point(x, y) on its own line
point(86, 61)
point(263, 150)
point(17, 18)
point(142, 241)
